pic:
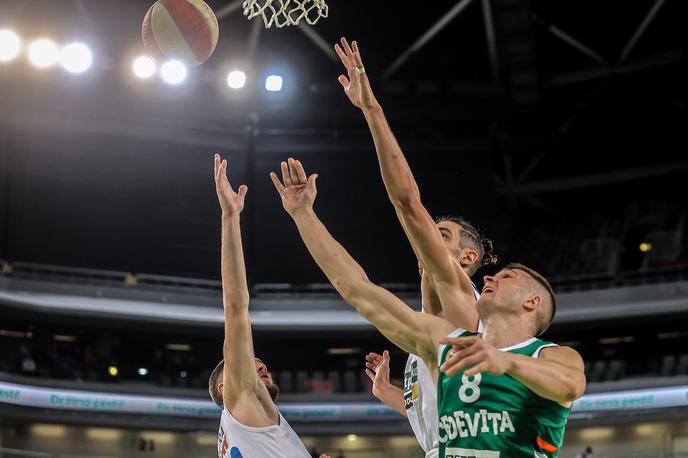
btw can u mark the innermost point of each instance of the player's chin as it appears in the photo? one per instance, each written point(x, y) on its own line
point(273, 390)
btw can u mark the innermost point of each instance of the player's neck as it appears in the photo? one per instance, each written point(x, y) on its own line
point(505, 331)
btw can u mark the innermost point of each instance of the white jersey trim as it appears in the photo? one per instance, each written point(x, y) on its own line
point(520, 345)
point(536, 354)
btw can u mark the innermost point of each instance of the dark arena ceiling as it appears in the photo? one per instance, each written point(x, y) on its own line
point(512, 112)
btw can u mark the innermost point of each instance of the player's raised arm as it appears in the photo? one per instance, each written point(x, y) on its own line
point(240, 379)
point(413, 332)
point(454, 287)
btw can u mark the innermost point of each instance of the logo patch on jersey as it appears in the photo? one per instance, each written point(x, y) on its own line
point(235, 453)
point(411, 385)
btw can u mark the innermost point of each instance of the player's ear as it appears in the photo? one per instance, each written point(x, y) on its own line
point(532, 302)
point(221, 388)
point(468, 257)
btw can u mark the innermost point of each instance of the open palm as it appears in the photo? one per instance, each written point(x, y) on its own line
point(356, 85)
point(232, 203)
point(296, 189)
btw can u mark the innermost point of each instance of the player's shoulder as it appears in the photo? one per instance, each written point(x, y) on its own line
point(561, 354)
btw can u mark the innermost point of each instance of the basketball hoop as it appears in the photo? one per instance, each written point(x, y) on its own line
point(281, 13)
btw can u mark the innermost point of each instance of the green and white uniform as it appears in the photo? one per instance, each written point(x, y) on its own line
point(487, 416)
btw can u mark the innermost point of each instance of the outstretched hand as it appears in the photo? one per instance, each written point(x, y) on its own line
point(297, 190)
point(232, 203)
point(377, 370)
point(474, 355)
point(356, 86)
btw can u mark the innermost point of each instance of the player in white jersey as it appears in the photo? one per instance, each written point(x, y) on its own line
point(449, 250)
point(251, 425)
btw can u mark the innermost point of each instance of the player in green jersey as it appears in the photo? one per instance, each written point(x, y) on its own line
point(528, 418)
point(498, 394)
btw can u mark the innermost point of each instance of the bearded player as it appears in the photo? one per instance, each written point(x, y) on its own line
point(449, 251)
point(251, 425)
point(511, 393)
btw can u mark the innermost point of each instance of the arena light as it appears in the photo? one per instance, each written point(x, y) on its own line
point(173, 72)
point(113, 371)
point(103, 434)
point(45, 430)
point(645, 247)
point(43, 53)
point(64, 338)
point(143, 371)
point(144, 67)
point(76, 58)
point(10, 45)
point(352, 437)
point(236, 79)
point(273, 83)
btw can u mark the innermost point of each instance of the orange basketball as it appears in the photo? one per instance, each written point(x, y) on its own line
point(180, 29)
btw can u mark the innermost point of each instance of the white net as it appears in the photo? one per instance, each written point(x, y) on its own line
point(282, 13)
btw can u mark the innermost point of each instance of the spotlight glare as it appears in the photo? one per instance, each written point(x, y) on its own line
point(173, 72)
point(113, 371)
point(236, 79)
point(645, 247)
point(144, 67)
point(273, 83)
point(10, 45)
point(43, 53)
point(76, 58)
point(143, 371)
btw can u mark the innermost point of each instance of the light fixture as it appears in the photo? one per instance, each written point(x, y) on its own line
point(273, 83)
point(143, 371)
point(352, 438)
point(113, 371)
point(236, 79)
point(173, 72)
point(43, 53)
point(645, 247)
point(144, 67)
point(10, 45)
point(76, 57)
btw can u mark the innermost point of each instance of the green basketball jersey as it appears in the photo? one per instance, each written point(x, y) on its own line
point(487, 416)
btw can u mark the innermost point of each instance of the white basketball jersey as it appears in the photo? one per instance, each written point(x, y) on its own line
point(420, 401)
point(235, 440)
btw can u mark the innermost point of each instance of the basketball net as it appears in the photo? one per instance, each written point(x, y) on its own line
point(281, 13)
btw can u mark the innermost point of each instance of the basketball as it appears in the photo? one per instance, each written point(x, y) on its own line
point(180, 29)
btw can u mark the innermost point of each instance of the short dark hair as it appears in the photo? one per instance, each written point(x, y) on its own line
point(214, 381)
point(543, 325)
point(471, 238)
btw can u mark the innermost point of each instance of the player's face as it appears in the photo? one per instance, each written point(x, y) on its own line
point(451, 234)
point(263, 373)
point(502, 290)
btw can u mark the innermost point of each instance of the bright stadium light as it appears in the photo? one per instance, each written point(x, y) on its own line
point(76, 58)
point(144, 67)
point(43, 53)
point(143, 371)
point(236, 79)
point(173, 72)
point(113, 371)
point(273, 83)
point(10, 45)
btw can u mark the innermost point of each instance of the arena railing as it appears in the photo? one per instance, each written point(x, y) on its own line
point(172, 284)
